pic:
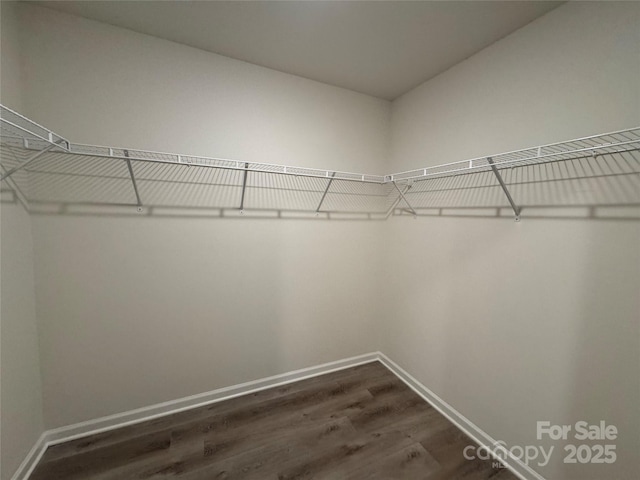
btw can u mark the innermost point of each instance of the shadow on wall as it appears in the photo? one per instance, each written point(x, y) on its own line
point(60, 183)
point(536, 323)
point(153, 317)
point(605, 186)
point(605, 382)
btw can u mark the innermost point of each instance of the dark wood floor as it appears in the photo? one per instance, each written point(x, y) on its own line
point(359, 423)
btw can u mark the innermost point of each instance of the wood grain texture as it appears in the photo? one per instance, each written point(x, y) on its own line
point(358, 423)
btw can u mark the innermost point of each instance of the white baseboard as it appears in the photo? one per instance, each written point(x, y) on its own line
point(32, 459)
point(112, 422)
point(514, 464)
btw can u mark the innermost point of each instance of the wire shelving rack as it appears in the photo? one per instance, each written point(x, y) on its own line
point(49, 174)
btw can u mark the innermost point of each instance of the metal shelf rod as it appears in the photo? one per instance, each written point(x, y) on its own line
point(501, 166)
point(320, 173)
point(28, 120)
point(47, 139)
point(56, 171)
point(509, 163)
point(537, 148)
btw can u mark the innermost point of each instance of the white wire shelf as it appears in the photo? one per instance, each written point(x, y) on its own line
point(47, 173)
point(608, 143)
point(12, 124)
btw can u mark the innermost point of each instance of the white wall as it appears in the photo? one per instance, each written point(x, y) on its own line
point(21, 399)
point(157, 309)
point(21, 394)
point(134, 311)
point(512, 323)
point(109, 86)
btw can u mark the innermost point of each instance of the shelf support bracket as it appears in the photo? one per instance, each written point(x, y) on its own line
point(34, 157)
point(244, 185)
point(326, 190)
point(403, 198)
point(133, 180)
point(395, 204)
point(516, 209)
point(22, 198)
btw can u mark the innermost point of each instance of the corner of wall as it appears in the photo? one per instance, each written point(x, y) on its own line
point(21, 393)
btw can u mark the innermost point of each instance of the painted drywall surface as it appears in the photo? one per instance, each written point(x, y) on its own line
point(10, 60)
point(21, 393)
point(514, 323)
point(508, 420)
point(190, 305)
point(22, 421)
point(120, 88)
point(135, 311)
point(547, 82)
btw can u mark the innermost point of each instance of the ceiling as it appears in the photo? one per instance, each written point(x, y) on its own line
point(383, 49)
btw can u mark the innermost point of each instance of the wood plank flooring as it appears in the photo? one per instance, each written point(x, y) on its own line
point(358, 423)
